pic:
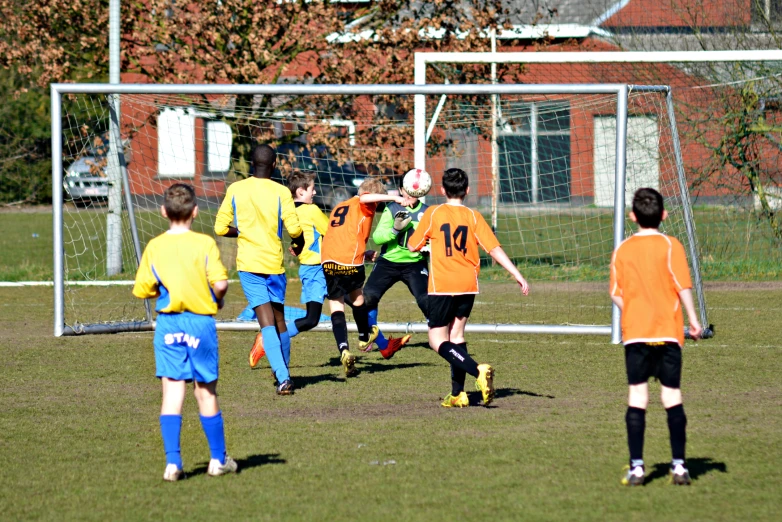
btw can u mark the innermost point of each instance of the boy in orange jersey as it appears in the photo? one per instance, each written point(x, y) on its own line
point(454, 233)
point(342, 257)
point(649, 278)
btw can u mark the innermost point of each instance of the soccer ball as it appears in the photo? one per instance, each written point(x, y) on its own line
point(417, 183)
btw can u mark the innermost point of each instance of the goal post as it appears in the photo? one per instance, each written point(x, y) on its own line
point(77, 233)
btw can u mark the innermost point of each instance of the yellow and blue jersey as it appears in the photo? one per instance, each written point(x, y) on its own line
point(314, 223)
point(180, 270)
point(258, 208)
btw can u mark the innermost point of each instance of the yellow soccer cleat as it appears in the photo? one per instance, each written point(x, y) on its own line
point(460, 401)
point(348, 361)
point(257, 351)
point(485, 383)
point(365, 346)
point(633, 476)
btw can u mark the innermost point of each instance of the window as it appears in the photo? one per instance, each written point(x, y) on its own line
point(534, 152)
point(175, 143)
point(219, 141)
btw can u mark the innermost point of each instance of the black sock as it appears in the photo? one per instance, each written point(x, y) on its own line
point(340, 329)
point(458, 356)
point(636, 425)
point(458, 375)
point(361, 315)
point(311, 320)
point(677, 425)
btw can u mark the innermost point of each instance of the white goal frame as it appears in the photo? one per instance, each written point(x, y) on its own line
point(621, 91)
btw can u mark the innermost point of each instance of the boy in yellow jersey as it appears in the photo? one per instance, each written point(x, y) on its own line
point(254, 211)
point(314, 223)
point(650, 283)
point(183, 270)
point(454, 233)
point(344, 249)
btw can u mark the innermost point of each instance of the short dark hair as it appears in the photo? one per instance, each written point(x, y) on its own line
point(179, 201)
point(648, 207)
point(264, 158)
point(455, 183)
point(300, 180)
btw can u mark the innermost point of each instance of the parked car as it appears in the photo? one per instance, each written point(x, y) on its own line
point(85, 181)
point(334, 183)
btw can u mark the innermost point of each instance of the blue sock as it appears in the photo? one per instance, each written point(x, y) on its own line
point(170, 428)
point(292, 330)
point(381, 341)
point(271, 343)
point(215, 435)
point(285, 344)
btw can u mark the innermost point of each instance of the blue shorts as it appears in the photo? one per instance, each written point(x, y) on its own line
point(263, 288)
point(186, 347)
point(313, 283)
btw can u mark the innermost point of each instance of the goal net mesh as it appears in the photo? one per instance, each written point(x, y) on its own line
point(547, 188)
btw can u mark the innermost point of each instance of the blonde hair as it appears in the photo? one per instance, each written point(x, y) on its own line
point(372, 186)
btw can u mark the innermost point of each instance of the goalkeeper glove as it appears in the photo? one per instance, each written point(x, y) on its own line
point(401, 220)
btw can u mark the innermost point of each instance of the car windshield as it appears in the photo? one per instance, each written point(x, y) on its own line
point(86, 166)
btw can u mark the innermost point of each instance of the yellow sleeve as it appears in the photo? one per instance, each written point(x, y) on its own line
point(215, 270)
point(289, 216)
point(225, 216)
point(146, 283)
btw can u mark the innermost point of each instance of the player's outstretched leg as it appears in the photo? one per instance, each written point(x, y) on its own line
point(308, 322)
point(386, 347)
point(366, 334)
point(457, 356)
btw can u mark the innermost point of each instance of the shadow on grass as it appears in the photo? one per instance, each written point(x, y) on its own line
point(696, 467)
point(500, 393)
point(252, 461)
point(364, 364)
point(303, 382)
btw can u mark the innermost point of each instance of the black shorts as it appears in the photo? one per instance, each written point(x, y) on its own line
point(386, 274)
point(443, 309)
point(663, 362)
point(342, 279)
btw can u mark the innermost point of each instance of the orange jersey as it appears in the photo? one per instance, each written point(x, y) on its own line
point(648, 270)
point(346, 240)
point(454, 233)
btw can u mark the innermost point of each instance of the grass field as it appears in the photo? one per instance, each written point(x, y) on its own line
point(79, 436)
point(570, 245)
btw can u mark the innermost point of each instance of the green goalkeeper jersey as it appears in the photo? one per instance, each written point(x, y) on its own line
point(394, 245)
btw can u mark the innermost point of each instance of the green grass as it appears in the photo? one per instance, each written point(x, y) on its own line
point(566, 246)
point(79, 436)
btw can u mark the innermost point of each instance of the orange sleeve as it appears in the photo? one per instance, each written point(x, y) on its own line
point(678, 266)
point(422, 231)
point(483, 233)
point(615, 283)
point(367, 209)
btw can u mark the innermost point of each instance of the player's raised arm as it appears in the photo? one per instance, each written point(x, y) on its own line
point(225, 216)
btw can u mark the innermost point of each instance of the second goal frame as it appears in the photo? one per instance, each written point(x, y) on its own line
point(620, 91)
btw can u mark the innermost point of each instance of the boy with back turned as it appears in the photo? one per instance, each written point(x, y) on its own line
point(183, 270)
point(650, 283)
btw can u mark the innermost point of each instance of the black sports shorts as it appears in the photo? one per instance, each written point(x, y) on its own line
point(342, 279)
point(663, 361)
point(443, 309)
point(386, 274)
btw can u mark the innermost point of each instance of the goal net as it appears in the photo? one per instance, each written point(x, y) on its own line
point(542, 166)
